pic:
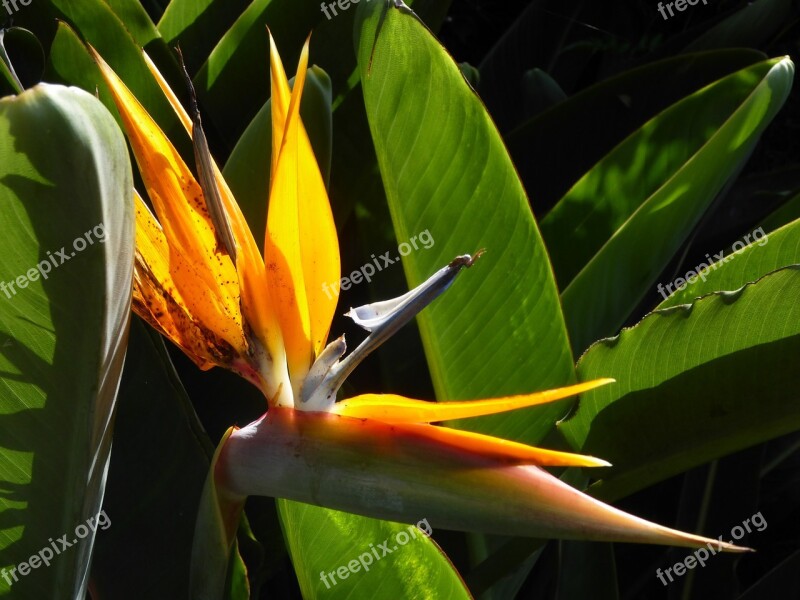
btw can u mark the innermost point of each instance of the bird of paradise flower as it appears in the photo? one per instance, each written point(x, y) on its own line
point(201, 280)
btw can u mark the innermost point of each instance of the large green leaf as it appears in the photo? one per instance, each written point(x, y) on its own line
point(322, 541)
point(67, 247)
point(686, 391)
point(361, 187)
point(499, 329)
point(618, 227)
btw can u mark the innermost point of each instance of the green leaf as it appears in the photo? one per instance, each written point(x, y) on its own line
point(136, 20)
point(541, 92)
point(62, 336)
point(8, 82)
point(11, 81)
point(619, 226)
point(499, 329)
point(686, 391)
point(197, 25)
point(361, 188)
point(741, 265)
point(347, 550)
point(612, 110)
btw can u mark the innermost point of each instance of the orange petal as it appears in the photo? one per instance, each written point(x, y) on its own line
point(180, 112)
point(397, 409)
point(256, 305)
point(158, 300)
point(280, 99)
point(498, 449)
point(179, 204)
point(301, 247)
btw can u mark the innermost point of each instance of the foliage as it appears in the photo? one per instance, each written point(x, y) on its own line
point(596, 154)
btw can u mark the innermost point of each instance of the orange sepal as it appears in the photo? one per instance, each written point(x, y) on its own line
point(301, 247)
point(391, 408)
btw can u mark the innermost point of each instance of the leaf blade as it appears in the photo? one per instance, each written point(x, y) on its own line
point(51, 322)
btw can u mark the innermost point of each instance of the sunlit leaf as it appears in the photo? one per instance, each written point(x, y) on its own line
point(67, 243)
point(687, 393)
point(635, 208)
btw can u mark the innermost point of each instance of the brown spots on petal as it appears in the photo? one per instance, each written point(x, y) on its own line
point(158, 306)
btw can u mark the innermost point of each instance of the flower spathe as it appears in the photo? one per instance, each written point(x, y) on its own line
point(268, 320)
